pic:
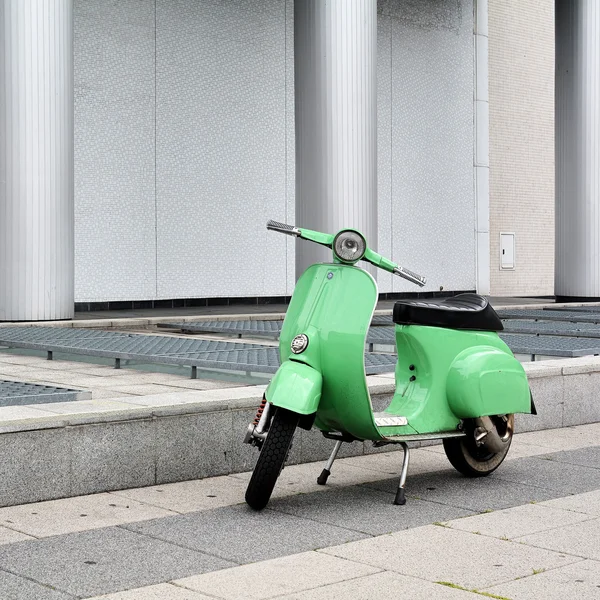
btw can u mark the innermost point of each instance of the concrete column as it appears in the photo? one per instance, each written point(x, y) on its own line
point(577, 149)
point(481, 153)
point(335, 59)
point(36, 160)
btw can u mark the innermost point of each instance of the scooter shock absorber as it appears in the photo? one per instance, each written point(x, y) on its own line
point(260, 411)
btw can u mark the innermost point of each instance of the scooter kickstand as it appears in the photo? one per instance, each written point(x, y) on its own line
point(326, 472)
point(400, 498)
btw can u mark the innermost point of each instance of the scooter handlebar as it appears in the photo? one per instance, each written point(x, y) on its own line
point(325, 239)
point(387, 265)
point(283, 228)
point(410, 276)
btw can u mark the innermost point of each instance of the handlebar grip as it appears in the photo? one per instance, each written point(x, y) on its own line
point(283, 228)
point(410, 276)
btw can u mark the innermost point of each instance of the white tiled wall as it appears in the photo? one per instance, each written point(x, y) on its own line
point(184, 146)
point(521, 99)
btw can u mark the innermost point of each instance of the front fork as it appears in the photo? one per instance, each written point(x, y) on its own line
point(258, 428)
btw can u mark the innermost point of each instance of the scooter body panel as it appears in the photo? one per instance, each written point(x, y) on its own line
point(333, 305)
point(485, 381)
point(457, 374)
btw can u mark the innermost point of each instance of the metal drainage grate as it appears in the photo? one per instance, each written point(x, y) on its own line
point(548, 315)
point(562, 328)
point(207, 354)
point(17, 393)
point(551, 345)
point(270, 329)
point(588, 309)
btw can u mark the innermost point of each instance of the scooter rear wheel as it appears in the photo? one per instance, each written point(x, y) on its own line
point(472, 460)
point(271, 458)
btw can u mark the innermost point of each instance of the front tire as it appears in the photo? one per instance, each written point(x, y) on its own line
point(477, 461)
point(271, 458)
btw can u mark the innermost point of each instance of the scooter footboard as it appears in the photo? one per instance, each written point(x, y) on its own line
point(297, 387)
point(484, 381)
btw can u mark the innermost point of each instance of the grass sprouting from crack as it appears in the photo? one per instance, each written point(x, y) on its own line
point(464, 589)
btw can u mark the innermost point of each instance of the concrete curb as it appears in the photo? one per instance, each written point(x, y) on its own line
point(148, 440)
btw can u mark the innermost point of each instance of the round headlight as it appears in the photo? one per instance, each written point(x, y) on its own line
point(299, 343)
point(349, 246)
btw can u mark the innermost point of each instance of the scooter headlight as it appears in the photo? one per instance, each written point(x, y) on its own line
point(349, 246)
point(300, 343)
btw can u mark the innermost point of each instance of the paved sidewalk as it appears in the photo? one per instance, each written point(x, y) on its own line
point(530, 530)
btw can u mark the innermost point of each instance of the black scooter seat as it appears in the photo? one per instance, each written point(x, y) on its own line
point(465, 311)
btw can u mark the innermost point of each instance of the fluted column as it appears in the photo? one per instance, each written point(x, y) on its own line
point(481, 151)
point(577, 149)
point(36, 160)
point(335, 59)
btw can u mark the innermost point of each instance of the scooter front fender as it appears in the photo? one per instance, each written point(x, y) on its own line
point(296, 387)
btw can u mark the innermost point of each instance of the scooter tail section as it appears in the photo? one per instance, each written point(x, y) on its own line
point(486, 381)
point(296, 387)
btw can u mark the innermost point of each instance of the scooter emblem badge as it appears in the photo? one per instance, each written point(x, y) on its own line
point(299, 343)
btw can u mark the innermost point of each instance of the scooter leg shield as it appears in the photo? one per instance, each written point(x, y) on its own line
point(296, 387)
point(484, 381)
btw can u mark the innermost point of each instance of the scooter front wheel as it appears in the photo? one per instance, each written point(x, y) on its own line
point(473, 460)
point(271, 458)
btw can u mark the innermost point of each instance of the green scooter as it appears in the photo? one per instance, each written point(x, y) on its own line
point(456, 380)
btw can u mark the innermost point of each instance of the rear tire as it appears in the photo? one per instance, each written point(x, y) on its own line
point(472, 460)
point(271, 458)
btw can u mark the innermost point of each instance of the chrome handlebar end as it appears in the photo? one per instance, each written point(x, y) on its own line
point(283, 228)
point(410, 276)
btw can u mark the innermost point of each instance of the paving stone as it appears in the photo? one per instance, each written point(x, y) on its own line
point(391, 586)
point(587, 503)
point(104, 561)
point(190, 496)
point(34, 465)
point(191, 446)
point(276, 577)
point(162, 591)
point(584, 457)
point(146, 389)
point(518, 521)
point(549, 474)
point(12, 413)
point(390, 463)
point(302, 479)
point(565, 438)
point(365, 510)
point(84, 406)
point(579, 539)
point(82, 513)
point(479, 494)
point(18, 588)
point(580, 581)
point(110, 456)
point(230, 533)
point(442, 554)
point(8, 536)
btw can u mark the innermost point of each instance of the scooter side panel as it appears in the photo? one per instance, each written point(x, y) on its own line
point(485, 381)
point(297, 387)
point(333, 305)
point(421, 391)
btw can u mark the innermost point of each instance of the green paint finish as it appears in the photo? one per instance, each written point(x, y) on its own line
point(333, 305)
point(458, 374)
point(297, 387)
point(487, 381)
point(442, 375)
